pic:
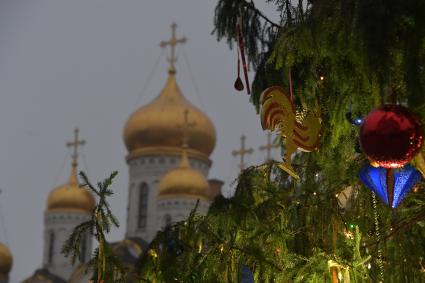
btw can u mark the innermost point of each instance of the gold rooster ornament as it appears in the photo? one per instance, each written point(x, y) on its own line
point(278, 113)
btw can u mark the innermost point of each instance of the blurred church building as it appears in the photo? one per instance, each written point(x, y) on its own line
point(169, 142)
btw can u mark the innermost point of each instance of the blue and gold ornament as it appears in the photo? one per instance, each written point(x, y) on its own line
point(391, 136)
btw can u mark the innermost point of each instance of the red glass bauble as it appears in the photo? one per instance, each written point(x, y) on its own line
point(391, 136)
point(238, 84)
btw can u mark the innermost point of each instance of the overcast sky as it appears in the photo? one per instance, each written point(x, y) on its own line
point(81, 63)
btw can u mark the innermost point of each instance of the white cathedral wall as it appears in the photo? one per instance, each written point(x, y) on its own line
point(150, 169)
point(62, 224)
point(178, 209)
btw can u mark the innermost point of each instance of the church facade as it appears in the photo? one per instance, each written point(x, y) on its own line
point(169, 141)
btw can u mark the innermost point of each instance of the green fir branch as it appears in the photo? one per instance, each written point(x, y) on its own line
point(106, 267)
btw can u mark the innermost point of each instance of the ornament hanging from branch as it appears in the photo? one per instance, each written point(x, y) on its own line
point(242, 52)
point(278, 113)
point(391, 136)
point(238, 83)
point(391, 185)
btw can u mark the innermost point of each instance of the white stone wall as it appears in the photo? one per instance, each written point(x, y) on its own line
point(178, 209)
point(62, 224)
point(150, 169)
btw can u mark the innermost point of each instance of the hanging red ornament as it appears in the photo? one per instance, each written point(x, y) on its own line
point(391, 136)
point(238, 83)
point(242, 50)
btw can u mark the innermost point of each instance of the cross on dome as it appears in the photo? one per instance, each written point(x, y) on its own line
point(242, 152)
point(268, 147)
point(75, 144)
point(172, 43)
point(185, 128)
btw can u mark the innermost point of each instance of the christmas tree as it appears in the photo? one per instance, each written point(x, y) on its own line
point(340, 59)
point(345, 59)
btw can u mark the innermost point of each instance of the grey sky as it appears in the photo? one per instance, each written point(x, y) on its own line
point(84, 63)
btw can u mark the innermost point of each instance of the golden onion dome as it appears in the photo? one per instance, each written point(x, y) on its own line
point(70, 197)
point(156, 124)
point(5, 260)
point(184, 182)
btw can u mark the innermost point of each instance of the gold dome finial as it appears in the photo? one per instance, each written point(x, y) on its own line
point(172, 43)
point(184, 163)
point(185, 127)
point(70, 197)
point(184, 181)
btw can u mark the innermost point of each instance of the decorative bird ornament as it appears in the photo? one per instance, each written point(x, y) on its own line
point(278, 113)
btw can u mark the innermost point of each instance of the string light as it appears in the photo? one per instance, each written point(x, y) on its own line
point(349, 235)
point(153, 253)
point(358, 121)
point(378, 237)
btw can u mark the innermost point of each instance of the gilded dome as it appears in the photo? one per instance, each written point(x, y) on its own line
point(184, 181)
point(70, 197)
point(5, 260)
point(157, 123)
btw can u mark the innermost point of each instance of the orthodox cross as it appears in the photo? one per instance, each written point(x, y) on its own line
point(172, 43)
point(75, 144)
point(185, 128)
point(268, 147)
point(242, 152)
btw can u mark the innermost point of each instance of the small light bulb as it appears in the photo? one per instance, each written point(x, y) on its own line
point(358, 121)
point(322, 78)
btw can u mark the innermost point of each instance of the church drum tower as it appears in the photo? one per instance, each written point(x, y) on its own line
point(152, 135)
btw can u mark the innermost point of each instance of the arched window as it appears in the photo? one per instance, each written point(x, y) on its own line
point(51, 246)
point(143, 206)
point(83, 249)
